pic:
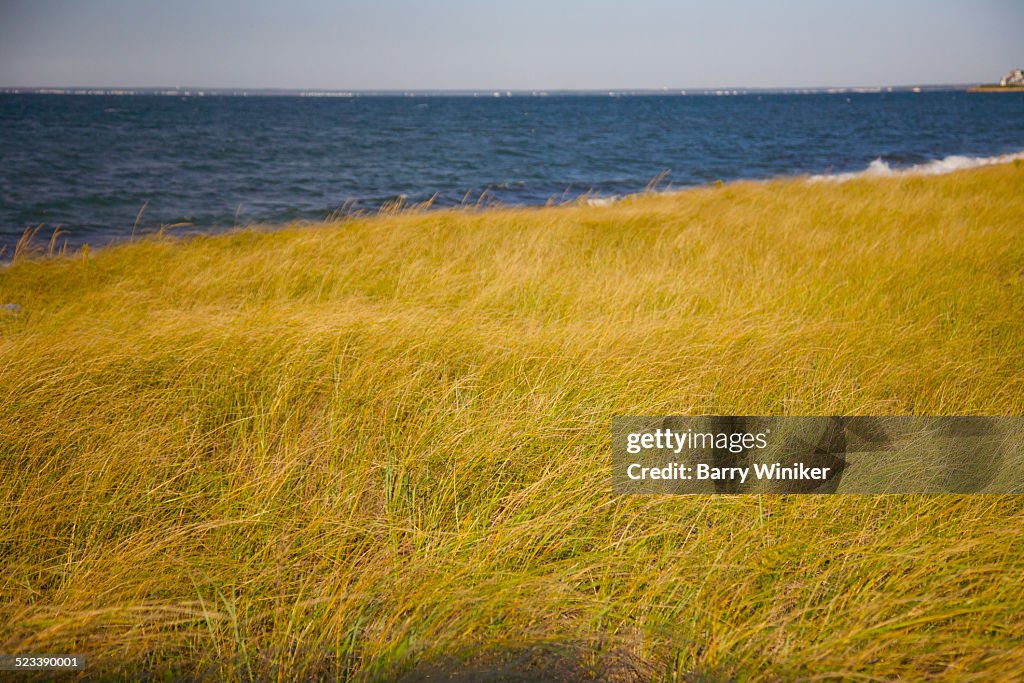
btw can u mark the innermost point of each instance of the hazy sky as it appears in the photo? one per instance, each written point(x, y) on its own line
point(510, 44)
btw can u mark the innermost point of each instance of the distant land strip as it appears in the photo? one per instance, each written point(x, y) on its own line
point(995, 87)
point(195, 91)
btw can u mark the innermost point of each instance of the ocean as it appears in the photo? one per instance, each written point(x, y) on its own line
point(89, 164)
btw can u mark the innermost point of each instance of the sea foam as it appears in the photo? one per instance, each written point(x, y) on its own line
point(879, 168)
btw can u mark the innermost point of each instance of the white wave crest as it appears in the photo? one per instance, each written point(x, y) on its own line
point(881, 169)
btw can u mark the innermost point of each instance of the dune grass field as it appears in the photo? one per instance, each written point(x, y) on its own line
point(379, 448)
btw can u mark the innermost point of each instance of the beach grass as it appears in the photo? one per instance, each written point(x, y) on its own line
point(380, 448)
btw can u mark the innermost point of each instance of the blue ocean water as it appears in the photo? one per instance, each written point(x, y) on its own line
point(89, 163)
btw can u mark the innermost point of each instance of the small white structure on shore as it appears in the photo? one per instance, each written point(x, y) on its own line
point(1014, 78)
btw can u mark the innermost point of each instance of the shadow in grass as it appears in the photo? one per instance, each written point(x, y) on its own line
point(544, 663)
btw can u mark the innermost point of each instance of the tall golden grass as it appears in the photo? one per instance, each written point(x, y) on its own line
point(381, 447)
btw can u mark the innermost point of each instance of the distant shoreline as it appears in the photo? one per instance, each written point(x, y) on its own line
point(196, 91)
point(996, 88)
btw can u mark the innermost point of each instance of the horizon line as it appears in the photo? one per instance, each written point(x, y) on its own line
point(491, 91)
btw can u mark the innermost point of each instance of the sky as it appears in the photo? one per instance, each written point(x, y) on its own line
point(508, 44)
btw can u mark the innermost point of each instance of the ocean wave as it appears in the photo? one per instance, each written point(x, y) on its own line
point(881, 169)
